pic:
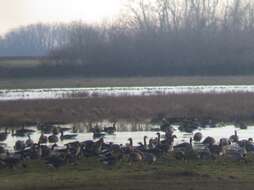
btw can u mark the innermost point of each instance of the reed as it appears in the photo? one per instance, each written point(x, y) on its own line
point(223, 107)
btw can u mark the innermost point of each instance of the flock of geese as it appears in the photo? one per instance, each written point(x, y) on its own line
point(148, 151)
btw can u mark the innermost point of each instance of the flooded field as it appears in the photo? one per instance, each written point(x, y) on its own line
point(58, 93)
point(137, 132)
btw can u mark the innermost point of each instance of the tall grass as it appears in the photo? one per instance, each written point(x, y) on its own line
point(223, 107)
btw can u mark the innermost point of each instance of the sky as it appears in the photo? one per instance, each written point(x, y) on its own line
point(14, 13)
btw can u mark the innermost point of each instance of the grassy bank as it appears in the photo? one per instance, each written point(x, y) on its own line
point(221, 107)
point(167, 173)
point(69, 82)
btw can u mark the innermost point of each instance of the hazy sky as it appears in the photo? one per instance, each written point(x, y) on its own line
point(14, 13)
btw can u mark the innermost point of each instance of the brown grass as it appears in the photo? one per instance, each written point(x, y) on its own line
point(223, 107)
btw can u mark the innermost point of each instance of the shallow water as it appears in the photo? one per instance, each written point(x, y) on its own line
point(57, 93)
point(121, 136)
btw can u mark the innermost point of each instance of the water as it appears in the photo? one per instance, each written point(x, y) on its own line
point(57, 93)
point(121, 136)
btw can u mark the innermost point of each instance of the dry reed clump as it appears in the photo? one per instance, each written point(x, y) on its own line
point(223, 107)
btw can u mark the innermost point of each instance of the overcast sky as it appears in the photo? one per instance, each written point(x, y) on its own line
point(14, 13)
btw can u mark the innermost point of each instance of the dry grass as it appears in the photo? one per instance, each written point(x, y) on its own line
point(223, 107)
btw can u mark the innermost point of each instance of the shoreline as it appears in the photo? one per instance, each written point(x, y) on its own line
point(79, 82)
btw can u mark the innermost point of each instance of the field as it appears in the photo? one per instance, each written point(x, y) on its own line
point(167, 173)
point(65, 82)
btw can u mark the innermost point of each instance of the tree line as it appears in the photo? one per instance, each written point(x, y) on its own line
point(151, 37)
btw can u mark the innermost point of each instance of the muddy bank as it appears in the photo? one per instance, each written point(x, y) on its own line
point(166, 174)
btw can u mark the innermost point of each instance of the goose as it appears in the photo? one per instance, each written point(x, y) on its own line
point(248, 144)
point(56, 161)
point(4, 135)
point(108, 159)
point(47, 129)
point(58, 150)
point(72, 153)
point(116, 151)
point(64, 129)
point(110, 130)
point(19, 145)
point(184, 146)
point(97, 133)
point(165, 125)
point(182, 150)
point(98, 146)
point(75, 129)
point(23, 131)
point(13, 160)
point(91, 148)
point(45, 150)
point(217, 150)
point(234, 138)
point(75, 148)
point(163, 146)
point(88, 148)
point(43, 139)
point(130, 145)
point(29, 141)
point(158, 139)
point(67, 137)
point(236, 153)
point(143, 146)
point(134, 155)
point(147, 154)
point(205, 154)
point(152, 143)
point(197, 137)
point(35, 152)
point(149, 157)
point(55, 131)
point(241, 125)
point(53, 138)
point(225, 141)
point(17, 133)
point(2, 150)
point(170, 140)
point(111, 154)
point(154, 147)
point(145, 143)
point(209, 141)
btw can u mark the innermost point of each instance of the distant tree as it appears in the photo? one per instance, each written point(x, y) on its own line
point(152, 37)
